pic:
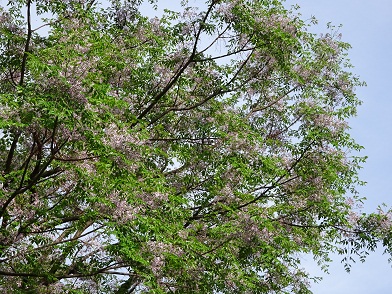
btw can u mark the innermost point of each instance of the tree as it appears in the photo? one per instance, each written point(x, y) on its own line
point(201, 151)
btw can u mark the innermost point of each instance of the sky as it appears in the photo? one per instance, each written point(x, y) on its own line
point(367, 26)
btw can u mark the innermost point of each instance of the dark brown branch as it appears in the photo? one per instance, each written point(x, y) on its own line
point(76, 237)
point(225, 55)
point(215, 40)
point(53, 137)
point(159, 96)
point(76, 159)
point(12, 78)
point(216, 93)
point(27, 45)
point(39, 157)
point(221, 90)
point(27, 163)
point(71, 276)
point(11, 153)
point(186, 139)
point(276, 183)
point(64, 255)
point(272, 103)
point(33, 181)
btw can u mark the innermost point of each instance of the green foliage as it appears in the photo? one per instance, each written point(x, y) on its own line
point(197, 152)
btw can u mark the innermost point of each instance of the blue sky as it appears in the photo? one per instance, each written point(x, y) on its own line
point(367, 26)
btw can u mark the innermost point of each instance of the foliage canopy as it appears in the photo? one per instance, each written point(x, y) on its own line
point(201, 151)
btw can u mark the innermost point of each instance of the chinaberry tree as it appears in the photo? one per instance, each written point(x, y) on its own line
point(201, 151)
